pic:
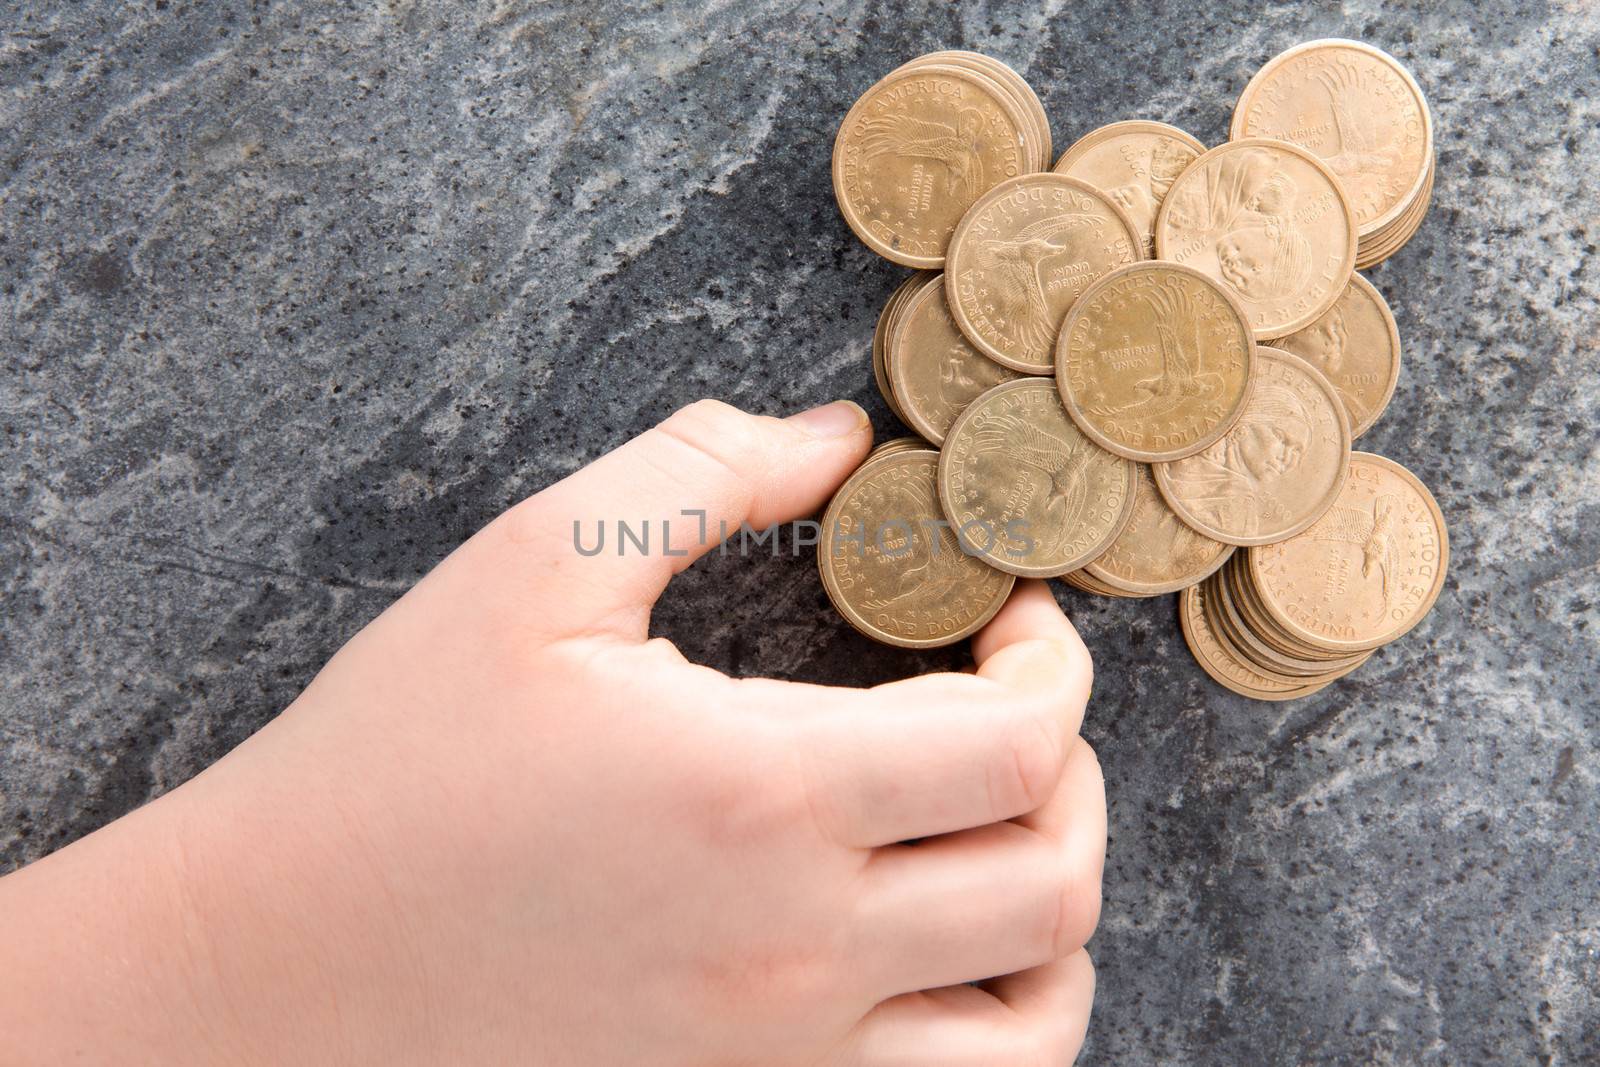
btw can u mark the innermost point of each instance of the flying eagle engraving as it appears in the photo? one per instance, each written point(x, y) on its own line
point(1181, 375)
point(934, 565)
point(1012, 265)
point(1374, 534)
point(954, 146)
point(1017, 439)
point(1361, 144)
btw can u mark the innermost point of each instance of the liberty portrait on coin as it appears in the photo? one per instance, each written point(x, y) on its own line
point(1248, 203)
point(1323, 343)
point(1232, 483)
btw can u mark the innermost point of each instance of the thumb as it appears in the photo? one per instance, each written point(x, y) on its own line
point(680, 488)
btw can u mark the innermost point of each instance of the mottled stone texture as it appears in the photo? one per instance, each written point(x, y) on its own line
point(293, 297)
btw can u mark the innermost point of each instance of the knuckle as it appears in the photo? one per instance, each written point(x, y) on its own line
point(755, 799)
point(1077, 910)
point(777, 976)
point(1031, 767)
point(728, 444)
point(711, 426)
point(705, 415)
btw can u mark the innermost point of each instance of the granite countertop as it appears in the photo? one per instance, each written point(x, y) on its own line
point(295, 297)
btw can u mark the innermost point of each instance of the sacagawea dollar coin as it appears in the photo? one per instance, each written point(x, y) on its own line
point(1270, 222)
point(1135, 163)
point(1023, 254)
point(1367, 571)
point(1025, 488)
point(890, 563)
point(1277, 470)
point(917, 150)
point(1358, 109)
point(1154, 361)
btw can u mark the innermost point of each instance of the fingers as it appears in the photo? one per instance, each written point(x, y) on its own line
point(1030, 614)
point(945, 752)
point(1054, 999)
point(720, 465)
point(1038, 1017)
point(989, 901)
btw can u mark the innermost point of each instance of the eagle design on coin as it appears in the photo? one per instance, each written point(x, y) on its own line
point(1373, 534)
point(954, 146)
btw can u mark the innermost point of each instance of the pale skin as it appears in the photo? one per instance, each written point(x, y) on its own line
point(504, 826)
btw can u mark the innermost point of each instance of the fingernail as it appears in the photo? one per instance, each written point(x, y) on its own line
point(838, 419)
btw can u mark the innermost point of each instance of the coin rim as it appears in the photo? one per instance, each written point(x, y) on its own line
point(880, 340)
point(1349, 262)
point(1390, 243)
point(893, 364)
point(1187, 611)
point(958, 313)
point(1240, 107)
point(1094, 433)
point(1253, 647)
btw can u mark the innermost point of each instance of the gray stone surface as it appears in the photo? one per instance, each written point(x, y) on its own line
point(293, 297)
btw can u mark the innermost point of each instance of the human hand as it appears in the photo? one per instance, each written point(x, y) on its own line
point(504, 826)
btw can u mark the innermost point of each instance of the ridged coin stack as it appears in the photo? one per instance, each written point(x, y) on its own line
point(1141, 370)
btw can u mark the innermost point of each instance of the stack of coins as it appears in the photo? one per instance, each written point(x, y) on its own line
point(889, 561)
point(1142, 370)
point(926, 369)
point(1363, 115)
point(1284, 620)
point(925, 142)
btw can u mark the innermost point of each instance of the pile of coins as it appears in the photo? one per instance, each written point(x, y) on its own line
point(1365, 116)
point(1141, 370)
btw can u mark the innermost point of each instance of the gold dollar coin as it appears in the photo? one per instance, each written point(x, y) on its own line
point(1269, 221)
point(1025, 251)
point(890, 564)
point(1359, 110)
point(1025, 488)
point(1367, 571)
point(1134, 163)
point(933, 369)
point(917, 150)
point(1280, 467)
point(1156, 552)
point(1356, 345)
point(1154, 361)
